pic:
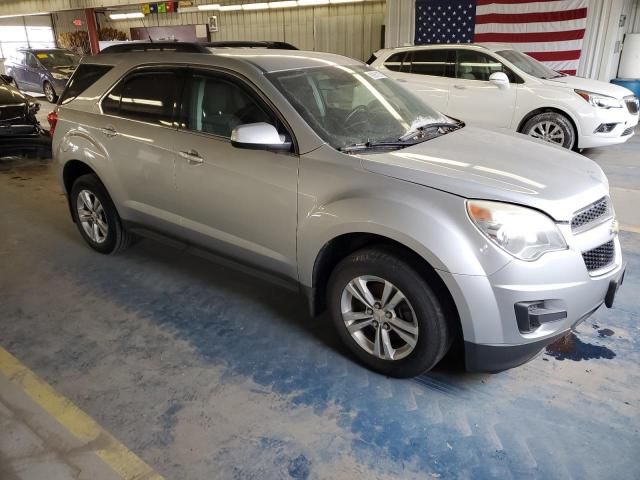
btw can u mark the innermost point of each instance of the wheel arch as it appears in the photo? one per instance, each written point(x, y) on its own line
point(339, 247)
point(560, 111)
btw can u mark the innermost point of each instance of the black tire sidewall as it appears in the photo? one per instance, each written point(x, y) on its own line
point(433, 336)
point(91, 183)
point(55, 96)
point(560, 120)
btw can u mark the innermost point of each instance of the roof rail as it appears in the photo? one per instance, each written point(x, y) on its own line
point(251, 44)
point(156, 47)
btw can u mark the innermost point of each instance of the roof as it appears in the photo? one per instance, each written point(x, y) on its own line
point(488, 46)
point(263, 60)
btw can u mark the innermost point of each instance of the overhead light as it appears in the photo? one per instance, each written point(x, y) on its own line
point(188, 10)
point(285, 4)
point(124, 16)
point(255, 6)
point(345, 1)
point(208, 8)
point(305, 3)
point(230, 8)
point(24, 14)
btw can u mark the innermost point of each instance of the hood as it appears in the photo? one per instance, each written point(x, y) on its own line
point(10, 95)
point(595, 86)
point(476, 163)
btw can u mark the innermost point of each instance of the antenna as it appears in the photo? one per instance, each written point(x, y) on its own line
point(146, 30)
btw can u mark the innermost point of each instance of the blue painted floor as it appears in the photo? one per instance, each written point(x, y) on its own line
point(206, 372)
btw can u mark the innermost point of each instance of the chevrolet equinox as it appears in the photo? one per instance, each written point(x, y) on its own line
point(414, 230)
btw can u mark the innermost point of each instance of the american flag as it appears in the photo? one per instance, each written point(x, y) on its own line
point(551, 31)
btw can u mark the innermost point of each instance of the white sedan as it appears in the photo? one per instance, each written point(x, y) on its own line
point(496, 86)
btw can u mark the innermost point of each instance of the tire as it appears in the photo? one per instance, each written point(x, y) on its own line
point(551, 127)
point(434, 334)
point(49, 92)
point(114, 237)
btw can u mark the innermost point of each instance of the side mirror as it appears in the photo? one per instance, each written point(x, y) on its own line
point(258, 136)
point(500, 80)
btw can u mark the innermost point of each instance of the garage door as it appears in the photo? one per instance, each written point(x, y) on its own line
point(25, 32)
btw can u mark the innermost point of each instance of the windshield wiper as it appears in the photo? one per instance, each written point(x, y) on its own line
point(420, 129)
point(361, 147)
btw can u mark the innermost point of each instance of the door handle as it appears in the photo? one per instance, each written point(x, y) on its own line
point(192, 157)
point(109, 131)
point(460, 87)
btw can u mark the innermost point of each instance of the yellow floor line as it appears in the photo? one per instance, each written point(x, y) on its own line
point(629, 228)
point(121, 460)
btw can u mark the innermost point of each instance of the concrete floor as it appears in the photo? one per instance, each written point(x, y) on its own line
point(206, 372)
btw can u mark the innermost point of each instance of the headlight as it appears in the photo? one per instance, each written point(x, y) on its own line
point(599, 101)
point(59, 76)
point(523, 232)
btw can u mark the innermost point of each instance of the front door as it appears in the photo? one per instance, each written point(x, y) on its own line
point(31, 73)
point(473, 98)
point(239, 202)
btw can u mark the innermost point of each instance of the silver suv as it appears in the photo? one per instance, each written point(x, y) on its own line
point(415, 231)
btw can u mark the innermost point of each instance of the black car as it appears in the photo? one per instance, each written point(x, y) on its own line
point(20, 131)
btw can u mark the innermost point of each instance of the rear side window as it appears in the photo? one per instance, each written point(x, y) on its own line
point(397, 63)
point(145, 96)
point(84, 76)
point(431, 62)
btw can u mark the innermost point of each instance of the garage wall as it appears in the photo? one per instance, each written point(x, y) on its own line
point(63, 21)
point(353, 30)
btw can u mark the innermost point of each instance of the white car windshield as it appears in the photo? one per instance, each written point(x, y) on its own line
point(528, 64)
point(348, 105)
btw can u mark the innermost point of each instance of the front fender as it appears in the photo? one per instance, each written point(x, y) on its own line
point(436, 229)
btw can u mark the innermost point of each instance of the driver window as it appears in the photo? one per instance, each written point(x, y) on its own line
point(31, 60)
point(472, 65)
point(216, 105)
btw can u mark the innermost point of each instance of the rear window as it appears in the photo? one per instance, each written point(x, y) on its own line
point(84, 76)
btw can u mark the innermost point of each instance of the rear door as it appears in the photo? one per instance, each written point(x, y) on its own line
point(426, 72)
point(473, 98)
point(16, 69)
point(239, 202)
point(139, 134)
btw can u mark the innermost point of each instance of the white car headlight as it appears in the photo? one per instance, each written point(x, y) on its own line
point(523, 232)
point(599, 101)
point(60, 76)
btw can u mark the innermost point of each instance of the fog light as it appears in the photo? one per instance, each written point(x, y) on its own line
point(530, 315)
point(605, 127)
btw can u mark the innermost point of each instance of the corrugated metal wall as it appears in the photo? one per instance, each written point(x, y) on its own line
point(353, 30)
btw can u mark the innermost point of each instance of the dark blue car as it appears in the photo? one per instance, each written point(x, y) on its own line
point(42, 70)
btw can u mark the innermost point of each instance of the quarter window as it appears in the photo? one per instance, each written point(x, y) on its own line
point(145, 96)
point(397, 62)
point(430, 62)
point(84, 76)
point(217, 104)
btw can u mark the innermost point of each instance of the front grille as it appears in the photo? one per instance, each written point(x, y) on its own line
point(599, 257)
point(595, 212)
point(632, 104)
point(11, 113)
point(628, 131)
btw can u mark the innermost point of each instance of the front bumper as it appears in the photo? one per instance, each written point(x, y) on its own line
point(488, 305)
point(623, 131)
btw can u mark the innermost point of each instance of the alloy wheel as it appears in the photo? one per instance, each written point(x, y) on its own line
point(92, 216)
point(379, 317)
point(548, 131)
point(49, 93)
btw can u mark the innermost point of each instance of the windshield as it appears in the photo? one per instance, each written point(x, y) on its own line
point(354, 104)
point(529, 64)
point(57, 58)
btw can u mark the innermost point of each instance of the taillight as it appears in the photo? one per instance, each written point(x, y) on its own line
point(53, 120)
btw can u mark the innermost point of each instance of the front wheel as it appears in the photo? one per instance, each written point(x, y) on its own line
point(49, 92)
point(551, 127)
point(387, 314)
